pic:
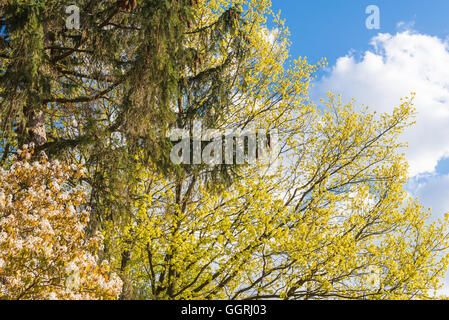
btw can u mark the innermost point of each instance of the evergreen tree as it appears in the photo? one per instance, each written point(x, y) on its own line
point(108, 93)
point(112, 89)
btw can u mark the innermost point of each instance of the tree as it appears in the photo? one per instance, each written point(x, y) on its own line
point(51, 69)
point(112, 89)
point(328, 219)
point(43, 250)
point(99, 93)
point(312, 228)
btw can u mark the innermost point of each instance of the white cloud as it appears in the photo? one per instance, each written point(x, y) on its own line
point(395, 66)
point(402, 25)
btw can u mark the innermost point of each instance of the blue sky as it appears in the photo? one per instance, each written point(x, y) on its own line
point(331, 28)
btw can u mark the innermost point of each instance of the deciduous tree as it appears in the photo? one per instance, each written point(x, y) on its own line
point(44, 253)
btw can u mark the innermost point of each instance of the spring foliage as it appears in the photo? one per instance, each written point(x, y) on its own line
point(43, 251)
point(328, 219)
point(312, 225)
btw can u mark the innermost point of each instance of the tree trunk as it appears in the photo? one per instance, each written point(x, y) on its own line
point(35, 128)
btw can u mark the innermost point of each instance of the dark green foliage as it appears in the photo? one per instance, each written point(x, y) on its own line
point(109, 92)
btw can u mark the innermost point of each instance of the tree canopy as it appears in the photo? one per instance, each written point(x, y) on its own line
point(325, 216)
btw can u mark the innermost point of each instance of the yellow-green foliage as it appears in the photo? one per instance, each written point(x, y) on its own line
point(312, 225)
